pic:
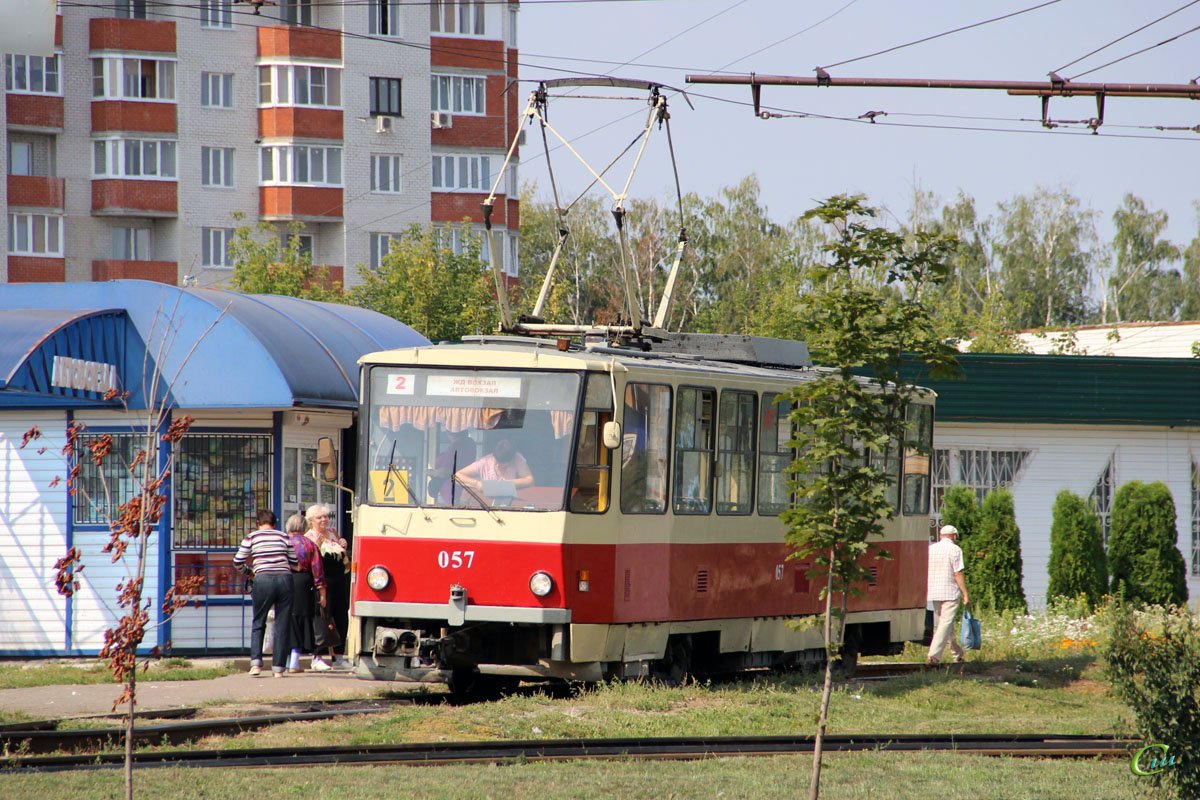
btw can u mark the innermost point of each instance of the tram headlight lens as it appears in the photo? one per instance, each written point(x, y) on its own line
point(541, 583)
point(378, 578)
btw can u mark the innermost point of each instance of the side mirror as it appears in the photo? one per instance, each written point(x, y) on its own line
point(326, 461)
point(612, 434)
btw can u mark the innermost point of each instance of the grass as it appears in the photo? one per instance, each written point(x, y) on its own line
point(852, 776)
point(87, 671)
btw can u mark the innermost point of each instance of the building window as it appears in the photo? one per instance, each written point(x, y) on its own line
point(512, 186)
point(216, 166)
point(1195, 520)
point(1102, 497)
point(296, 12)
point(134, 158)
point(110, 481)
point(299, 85)
point(385, 97)
point(117, 78)
point(381, 245)
point(216, 89)
point(457, 94)
point(20, 158)
point(385, 174)
point(462, 172)
point(304, 243)
point(384, 18)
point(131, 244)
point(735, 452)
point(301, 165)
point(35, 235)
point(32, 74)
point(981, 470)
point(130, 9)
point(514, 254)
point(219, 482)
point(457, 17)
point(216, 14)
point(214, 247)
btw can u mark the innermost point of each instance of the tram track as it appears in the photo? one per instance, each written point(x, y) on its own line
point(684, 748)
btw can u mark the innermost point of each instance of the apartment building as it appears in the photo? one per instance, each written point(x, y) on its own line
point(134, 150)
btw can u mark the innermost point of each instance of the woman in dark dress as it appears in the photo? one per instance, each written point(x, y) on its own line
point(336, 562)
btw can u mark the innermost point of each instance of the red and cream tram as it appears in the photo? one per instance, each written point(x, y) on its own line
point(530, 509)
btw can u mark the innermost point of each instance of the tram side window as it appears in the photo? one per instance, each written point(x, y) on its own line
point(774, 455)
point(694, 450)
point(918, 447)
point(735, 452)
point(645, 448)
point(589, 484)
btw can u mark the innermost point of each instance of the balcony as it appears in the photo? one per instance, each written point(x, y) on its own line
point(116, 269)
point(466, 52)
point(133, 115)
point(132, 198)
point(137, 35)
point(38, 112)
point(36, 269)
point(35, 191)
point(302, 203)
point(287, 122)
point(287, 41)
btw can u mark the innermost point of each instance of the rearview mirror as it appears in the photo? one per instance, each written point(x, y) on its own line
point(612, 434)
point(326, 464)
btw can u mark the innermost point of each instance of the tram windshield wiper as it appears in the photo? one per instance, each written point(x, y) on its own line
point(393, 470)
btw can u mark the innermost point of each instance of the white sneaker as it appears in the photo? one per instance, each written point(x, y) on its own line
point(341, 663)
point(255, 670)
point(320, 665)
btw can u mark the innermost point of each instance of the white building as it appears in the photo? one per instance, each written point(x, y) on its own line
point(130, 150)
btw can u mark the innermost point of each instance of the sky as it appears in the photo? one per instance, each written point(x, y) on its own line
point(984, 143)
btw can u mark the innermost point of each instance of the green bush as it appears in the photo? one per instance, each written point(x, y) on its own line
point(960, 508)
point(1152, 660)
point(1145, 564)
point(998, 573)
point(1077, 563)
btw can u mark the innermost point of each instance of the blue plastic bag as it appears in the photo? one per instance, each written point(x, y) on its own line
point(972, 633)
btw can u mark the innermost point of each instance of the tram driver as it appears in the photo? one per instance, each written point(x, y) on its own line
point(502, 468)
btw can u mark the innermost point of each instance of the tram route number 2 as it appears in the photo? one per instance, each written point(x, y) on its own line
point(456, 559)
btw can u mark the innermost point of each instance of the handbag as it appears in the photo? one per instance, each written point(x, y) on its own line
point(325, 632)
point(972, 631)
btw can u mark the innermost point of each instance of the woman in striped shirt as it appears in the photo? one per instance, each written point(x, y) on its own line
point(271, 561)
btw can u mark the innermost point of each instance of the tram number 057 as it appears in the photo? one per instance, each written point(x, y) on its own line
point(456, 559)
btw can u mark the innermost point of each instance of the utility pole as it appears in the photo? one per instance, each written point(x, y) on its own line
point(1055, 87)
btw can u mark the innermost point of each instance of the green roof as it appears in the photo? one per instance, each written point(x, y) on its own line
point(1103, 390)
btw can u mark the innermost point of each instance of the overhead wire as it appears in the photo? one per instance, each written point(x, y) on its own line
point(1126, 36)
point(940, 35)
point(1137, 52)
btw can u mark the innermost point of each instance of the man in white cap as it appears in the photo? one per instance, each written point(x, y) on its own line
point(946, 588)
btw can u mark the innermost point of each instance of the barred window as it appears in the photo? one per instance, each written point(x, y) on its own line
point(1195, 519)
point(220, 482)
point(1102, 497)
point(100, 489)
point(981, 470)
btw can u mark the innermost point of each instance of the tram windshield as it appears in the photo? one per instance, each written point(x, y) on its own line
point(463, 437)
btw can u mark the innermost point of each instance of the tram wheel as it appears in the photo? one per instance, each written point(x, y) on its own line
point(466, 683)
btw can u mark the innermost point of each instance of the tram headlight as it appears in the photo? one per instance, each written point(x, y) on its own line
point(378, 578)
point(541, 583)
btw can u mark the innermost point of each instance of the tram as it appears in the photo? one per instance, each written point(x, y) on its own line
point(541, 508)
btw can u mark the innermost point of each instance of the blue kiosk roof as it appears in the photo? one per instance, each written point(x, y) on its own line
point(213, 348)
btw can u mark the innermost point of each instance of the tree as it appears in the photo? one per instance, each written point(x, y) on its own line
point(133, 517)
point(1045, 258)
point(1139, 287)
point(1077, 562)
point(266, 263)
point(1143, 559)
point(960, 508)
point(443, 294)
point(859, 315)
point(997, 572)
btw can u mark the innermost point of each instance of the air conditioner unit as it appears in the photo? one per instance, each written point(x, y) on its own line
point(440, 119)
point(383, 124)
